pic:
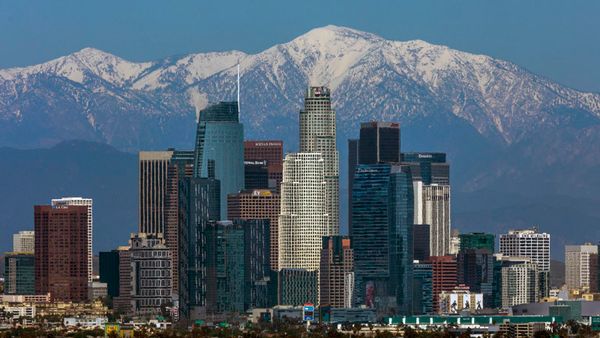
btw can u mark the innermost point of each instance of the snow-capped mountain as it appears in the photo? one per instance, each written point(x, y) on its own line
point(94, 95)
point(514, 138)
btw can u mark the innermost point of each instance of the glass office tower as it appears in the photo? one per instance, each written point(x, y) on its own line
point(220, 138)
point(379, 142)
point(382, 226)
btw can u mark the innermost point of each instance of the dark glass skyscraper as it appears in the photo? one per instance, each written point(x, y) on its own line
point(382, 222)
point(256, 175)
point(238, 266)
point(200, 205)
point(421, 242)
point(220, 138)
point(379, 143)
point(109, 271)
point(352, 164)
point(422, 289)
point(475, 268)
point(430, 168)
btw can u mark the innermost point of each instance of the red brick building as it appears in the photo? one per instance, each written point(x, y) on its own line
point(443, 276)
point(61, 246)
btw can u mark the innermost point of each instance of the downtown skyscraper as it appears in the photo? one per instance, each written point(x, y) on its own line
point(382, 229)
point(220, 147)
point(310, 186)
point(61, 251)
point(379, 142)
point(88, 203)
point(303, 218)
point(318, 135)
point(432, 197)
point(534, 245)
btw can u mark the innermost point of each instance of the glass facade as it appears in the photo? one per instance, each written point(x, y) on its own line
point(199, 205)
point(297, 287)
point(382, 225)
point(220, 138)
point(238, 266)
point(430, 168)
point(379, 143)
point(224, 267)
point(477, 240)
point(19, 274)
point(476, 270)
point(352, 163)
point(256, 174)
point(400, 235)
point(108, 262)
point(422, 289)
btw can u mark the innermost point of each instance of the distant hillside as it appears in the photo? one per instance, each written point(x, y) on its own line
point(72, 168)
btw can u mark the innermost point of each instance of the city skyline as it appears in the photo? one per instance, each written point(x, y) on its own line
point(230, 169)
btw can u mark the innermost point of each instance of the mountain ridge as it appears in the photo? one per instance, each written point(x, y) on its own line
point(477, 88)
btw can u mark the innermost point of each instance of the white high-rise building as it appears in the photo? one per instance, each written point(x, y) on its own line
point(303, 219)
point(318, 135)
point(24, 242)
point(57, 202)
point(520, 281)
point(577, 265)
point(436, 213)
point(527, 243)
point(534, 245)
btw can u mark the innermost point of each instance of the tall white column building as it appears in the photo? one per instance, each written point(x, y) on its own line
point(577, 265)
point(318, 135)
point(436, 212)
point(57, 202)
point(303, 219)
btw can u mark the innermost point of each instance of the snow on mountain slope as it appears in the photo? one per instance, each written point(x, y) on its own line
point(371, 78)
point(79, 66)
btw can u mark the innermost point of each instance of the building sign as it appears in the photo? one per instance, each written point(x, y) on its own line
point(308, 312)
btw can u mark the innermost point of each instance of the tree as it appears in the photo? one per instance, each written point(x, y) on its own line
point(542, 334)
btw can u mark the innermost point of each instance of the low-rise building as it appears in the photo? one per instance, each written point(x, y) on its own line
point(460, 300)
point(85, 322)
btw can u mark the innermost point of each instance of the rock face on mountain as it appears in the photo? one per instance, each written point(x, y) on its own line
point(513, 137)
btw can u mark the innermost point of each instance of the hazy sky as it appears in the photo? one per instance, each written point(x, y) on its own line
point(558, 39)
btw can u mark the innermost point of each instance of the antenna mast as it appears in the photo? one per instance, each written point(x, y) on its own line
point(238, 86)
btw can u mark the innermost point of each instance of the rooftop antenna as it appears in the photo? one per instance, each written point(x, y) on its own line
point(238, 86)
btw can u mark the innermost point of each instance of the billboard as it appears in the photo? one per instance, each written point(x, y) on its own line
point(466, 302)
point(454, 303)
point(478, 301)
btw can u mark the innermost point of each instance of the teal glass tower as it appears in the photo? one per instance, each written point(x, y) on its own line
point(220, 139)
point(382, 227)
